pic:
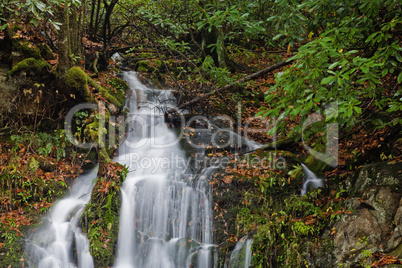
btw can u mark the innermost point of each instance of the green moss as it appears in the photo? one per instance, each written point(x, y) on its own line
point(101, 219)
point(46, 52)
point(120, 86)
point(29, 64)
point(265, 203)
point(12, 247)
point(145, 55)
point(158, 64)
point(104, 156)
point(397, 252)
point(29, 50)
point(142, 69)
point(144, 66)
point(78, 79)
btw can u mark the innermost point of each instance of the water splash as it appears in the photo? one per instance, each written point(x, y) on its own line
point(241, 254)
point(116, 57)
point(166, 215)
point(52, 245)
point(311, 180)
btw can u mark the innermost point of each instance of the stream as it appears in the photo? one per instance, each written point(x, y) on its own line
point(166, 214)
point(51, 245)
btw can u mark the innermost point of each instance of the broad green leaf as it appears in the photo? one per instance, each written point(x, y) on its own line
point(328, 80)
point(333, 65)
point(357, 109)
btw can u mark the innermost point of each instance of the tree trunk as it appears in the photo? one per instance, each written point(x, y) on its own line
point(106, 25)
point(213, 43)
point(96, 26)
point(81, 30)
point(73, 21)
point(91, 20)
point(63, 42)
point(208, 43)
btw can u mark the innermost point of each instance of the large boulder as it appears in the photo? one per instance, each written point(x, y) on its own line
point(394, 243)
point(377, 174)
point(376, 224)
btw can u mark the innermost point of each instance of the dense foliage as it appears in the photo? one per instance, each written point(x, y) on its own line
point(354, 62)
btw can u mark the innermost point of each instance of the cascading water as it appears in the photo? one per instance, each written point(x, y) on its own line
point(52, 245)
point(311, 180)
point(166, 213)
point(166, 216)
point(241, 254)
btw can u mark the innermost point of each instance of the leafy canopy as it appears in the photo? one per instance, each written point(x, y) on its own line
point(355, 62)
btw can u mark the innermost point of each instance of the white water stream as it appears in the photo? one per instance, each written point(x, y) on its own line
point(52, 245)
point(241, 254)
point(166, 213)
point(310, 181)
point(166, 216)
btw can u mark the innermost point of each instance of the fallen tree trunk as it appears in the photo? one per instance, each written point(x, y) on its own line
point(281, 144)
point(245, 79)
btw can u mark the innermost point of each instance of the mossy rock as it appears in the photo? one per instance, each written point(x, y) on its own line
point(110, 96)
point(29, 64)
point(144, 66)
point(78, 79)
point(119, 84)
point(121, 87)
point(100, 219)
point(29, 50)
point(46, 52)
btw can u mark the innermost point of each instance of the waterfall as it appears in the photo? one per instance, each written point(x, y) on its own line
point(311, 180)
point(166, 206)
point(52, 245)
point(166, 215)
point(241, 254)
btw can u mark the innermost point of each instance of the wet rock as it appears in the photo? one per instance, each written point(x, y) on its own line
point(7, 93)
point(376, 225)
point(353, 204)
point(384, 204)
point(354, 235)
point(394, 243)
point(369, 229)
point(377, 174)
point(398, 214)
point(16, 57)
